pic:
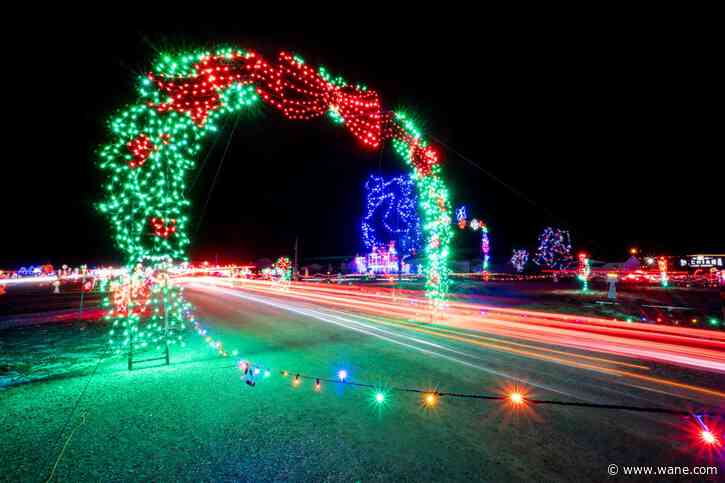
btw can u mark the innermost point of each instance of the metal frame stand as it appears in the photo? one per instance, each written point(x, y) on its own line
point(167, 353)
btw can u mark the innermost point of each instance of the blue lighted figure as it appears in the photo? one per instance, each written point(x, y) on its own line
point(461, 217)
point(392, 214)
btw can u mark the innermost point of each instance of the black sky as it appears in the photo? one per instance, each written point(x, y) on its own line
point(612, 131)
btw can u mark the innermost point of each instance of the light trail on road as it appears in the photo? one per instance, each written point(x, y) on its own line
point(694, 348)
point(494, 328)
point(392, 337)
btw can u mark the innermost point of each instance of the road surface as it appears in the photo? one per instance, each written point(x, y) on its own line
point(457, 438)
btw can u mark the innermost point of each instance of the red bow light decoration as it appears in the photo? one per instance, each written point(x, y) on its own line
point(141, 148)
point(163, 229)
point(297, 90)
point(361, 112)
point(424, 159)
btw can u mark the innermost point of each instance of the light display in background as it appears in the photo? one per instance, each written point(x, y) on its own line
point(391, 214)
point(554, 249)
point(519, 259)
point(382, 260)
point(702, 261)
point(156, 140)
point(461, 217)
point(584, 271)
point(485, 246)
point(147, 311)
point(476, 225)
point(662, 265)
point(361, 264)
point(282, 269)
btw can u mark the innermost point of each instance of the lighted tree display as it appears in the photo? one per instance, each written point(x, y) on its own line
point(519, 259)
point(554, 249)
point(391, 214)
point(282, 269)
point(584, 271)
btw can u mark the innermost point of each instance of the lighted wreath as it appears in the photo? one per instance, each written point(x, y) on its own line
point(155, 143)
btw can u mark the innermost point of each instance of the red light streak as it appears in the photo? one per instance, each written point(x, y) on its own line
point(673, 345)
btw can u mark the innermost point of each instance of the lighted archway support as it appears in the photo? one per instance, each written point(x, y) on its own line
point(156, 140)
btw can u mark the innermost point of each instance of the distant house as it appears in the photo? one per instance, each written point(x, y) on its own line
point(598, 263)
point(613, 266)
point(632, 263)
point(315, 268)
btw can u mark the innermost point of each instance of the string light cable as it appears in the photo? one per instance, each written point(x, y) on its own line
point(73, 411)
point(208, 155)
point(511, 188)
point(516, 397)
point(514, 190)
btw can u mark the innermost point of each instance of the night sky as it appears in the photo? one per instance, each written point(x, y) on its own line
point(606, 132)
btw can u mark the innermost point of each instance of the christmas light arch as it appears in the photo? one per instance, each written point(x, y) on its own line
point(183, 97)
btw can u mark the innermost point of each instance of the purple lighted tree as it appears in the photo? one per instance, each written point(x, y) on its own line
point(554, 249)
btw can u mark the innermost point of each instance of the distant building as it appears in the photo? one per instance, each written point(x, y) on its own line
point(632, 263)
point(702, 261)
point(381, 260)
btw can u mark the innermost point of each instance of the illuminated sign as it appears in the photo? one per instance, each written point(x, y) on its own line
point(703, 261)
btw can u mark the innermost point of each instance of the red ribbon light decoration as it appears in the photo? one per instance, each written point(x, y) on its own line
point(161, 228)
point(141, 148)
point(295, 89)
